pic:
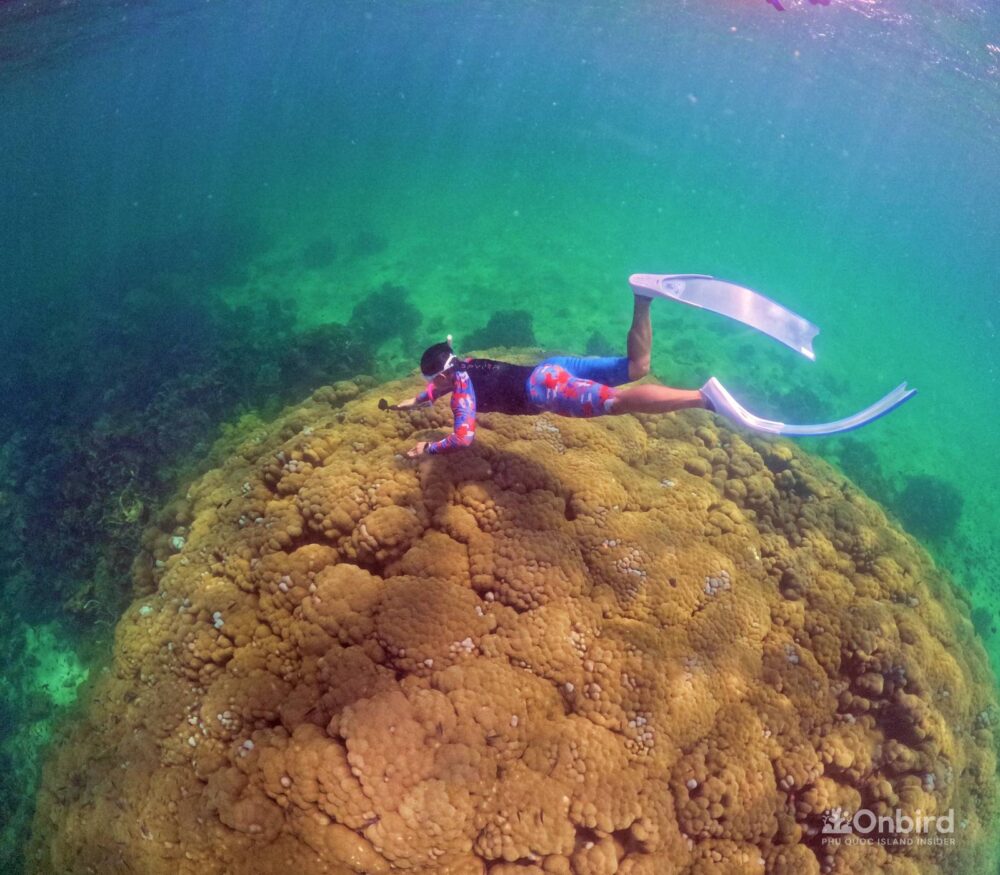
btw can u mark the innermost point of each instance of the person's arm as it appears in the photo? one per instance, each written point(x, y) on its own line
point(410, 403)
point(463, 405)
point(424, 399)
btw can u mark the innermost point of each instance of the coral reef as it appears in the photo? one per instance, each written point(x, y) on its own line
point(624, 645)
point(101, 415)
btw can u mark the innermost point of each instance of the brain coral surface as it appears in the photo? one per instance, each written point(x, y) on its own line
point(623, 645)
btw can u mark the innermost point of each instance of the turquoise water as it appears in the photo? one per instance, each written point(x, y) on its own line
point(193, 192)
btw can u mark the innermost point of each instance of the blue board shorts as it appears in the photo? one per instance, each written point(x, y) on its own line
point(580, 386)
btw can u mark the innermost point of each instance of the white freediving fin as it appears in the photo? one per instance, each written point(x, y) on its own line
point(737, 302)
point(725, 405)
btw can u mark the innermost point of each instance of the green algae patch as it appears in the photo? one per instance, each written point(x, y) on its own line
point(58, 671)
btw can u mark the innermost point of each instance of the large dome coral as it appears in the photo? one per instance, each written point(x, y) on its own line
point(623, 645)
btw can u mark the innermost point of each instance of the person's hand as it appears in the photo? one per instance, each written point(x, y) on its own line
point(418, 450)
point(403, 405)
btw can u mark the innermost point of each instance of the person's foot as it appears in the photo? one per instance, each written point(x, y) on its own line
point(643, 285)
point(663, 285)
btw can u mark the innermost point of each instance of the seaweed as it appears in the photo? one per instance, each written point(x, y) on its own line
point(365, 244)
point(598, 344)
point(929, 507)
point(685, 351)
point(8, 720)
point(860, 462)
point(984, 622)
point(383, 314)
point(321, 355)
point(504, 328)
point(206, 255)
point(103, 414)
point(799, 404)
point(319, 253)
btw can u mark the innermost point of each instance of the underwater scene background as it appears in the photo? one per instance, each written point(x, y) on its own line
point(210, 210)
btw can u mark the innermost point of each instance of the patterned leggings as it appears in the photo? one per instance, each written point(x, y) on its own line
point(577, 386)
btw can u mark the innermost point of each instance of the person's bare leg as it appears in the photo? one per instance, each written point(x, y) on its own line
point(640, 339)
point(655, 399)
point(652, 398)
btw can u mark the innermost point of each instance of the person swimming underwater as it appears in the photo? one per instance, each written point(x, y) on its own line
point(565, 385)
point(588, 386)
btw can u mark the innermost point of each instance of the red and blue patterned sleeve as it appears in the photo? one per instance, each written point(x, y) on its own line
point(428, 397)
point(463, 405)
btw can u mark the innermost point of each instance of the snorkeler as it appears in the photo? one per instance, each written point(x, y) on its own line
point(588, 386)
